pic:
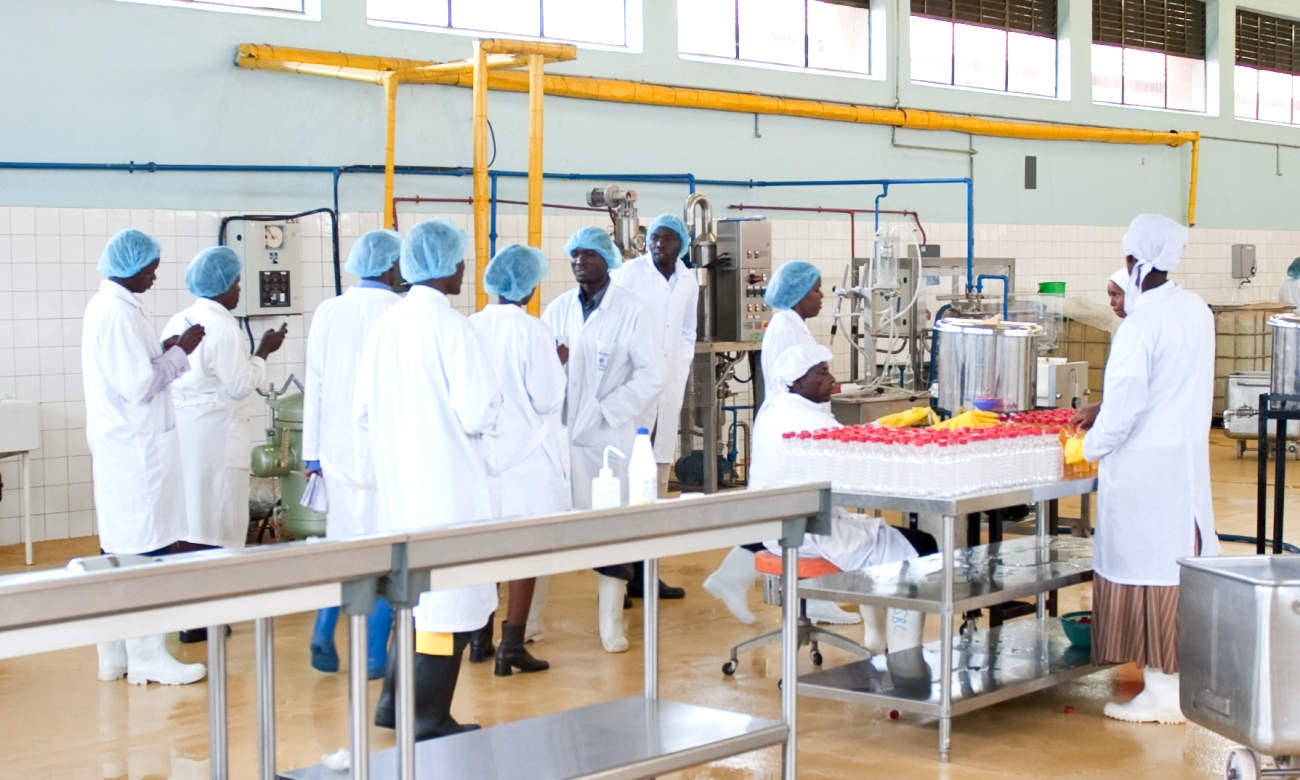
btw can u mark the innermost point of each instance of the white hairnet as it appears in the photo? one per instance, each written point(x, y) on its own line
point(515, 272)
point(795, 362)
point(374, 253)
point(1156, 242)
point(432, 250)
point(212, 272)
point(127, 253)
point(1119, 278)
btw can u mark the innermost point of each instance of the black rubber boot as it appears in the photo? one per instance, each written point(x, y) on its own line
point(435, 685)
point(512, 655)
point(480, 642)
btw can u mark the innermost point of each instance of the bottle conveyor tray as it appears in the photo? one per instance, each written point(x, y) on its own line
point(1071, 485)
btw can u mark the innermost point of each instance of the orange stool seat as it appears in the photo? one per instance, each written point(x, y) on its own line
point(767, 563)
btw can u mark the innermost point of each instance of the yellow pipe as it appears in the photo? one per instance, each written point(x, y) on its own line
point(555, 52)
point(481, 216)
point(1196, 172)
point(252, 52)
point(390, 147)
point(536, 125)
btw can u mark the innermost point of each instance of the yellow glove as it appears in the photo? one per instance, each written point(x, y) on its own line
point(907, 419)
point(971, 419)
point(1074, 451)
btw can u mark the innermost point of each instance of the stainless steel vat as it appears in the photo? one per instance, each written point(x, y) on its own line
point(987, 363)
point(1239, 649)
point(1286, 354)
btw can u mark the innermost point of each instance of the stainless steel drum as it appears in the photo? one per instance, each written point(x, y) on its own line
point(1286, 354)
point(987, 364)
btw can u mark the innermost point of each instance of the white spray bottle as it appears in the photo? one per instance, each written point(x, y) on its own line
point(606, 489)
point(642, 471)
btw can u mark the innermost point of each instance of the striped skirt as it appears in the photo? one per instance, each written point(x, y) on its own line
point(1137, 623)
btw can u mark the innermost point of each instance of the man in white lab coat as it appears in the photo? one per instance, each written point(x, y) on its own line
point(339, 330)
point(426, 395)
point(1153, 495)
point(672, 293)
point(531, 450)
point(131, 430)
point(612, 353)
point(803, 376)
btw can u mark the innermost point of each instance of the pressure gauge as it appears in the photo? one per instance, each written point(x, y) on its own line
point(274, 236)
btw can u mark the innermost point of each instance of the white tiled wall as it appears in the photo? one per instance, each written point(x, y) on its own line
point(47, 273)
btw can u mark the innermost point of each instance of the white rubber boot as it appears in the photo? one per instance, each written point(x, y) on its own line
point(535, 629)
point(873, 629)
point(730, 584)
point(609, 600)
point(906, 629)
point(112, 660)
point(1157, 703)
point(829, 612)
point(147, 660)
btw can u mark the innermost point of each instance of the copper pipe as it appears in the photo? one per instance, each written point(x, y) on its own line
point(850, 212)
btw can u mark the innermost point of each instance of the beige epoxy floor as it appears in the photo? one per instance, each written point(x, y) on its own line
point(57, 721)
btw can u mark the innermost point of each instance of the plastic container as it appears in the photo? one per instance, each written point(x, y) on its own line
point(606, 489)
point(1078, 632)
point(642, 471)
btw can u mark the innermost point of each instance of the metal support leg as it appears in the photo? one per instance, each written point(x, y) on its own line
point(650, 603)
point(404, 645)
point(358, 699)
point(264, 639)
point(1261, 496)
point(27, 504)
point(790, 658)
point(945, 641)
point(1044, 531)
point(1279, 485)
point(709, 425)
point(217, 746)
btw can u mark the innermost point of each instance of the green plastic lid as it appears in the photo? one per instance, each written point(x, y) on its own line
point(1051, 288)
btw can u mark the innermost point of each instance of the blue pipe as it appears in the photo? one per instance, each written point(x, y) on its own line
point(1006, 288)
point(884, 191)
point(492, 200)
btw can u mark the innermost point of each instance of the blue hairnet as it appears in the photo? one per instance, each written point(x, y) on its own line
point(374, 253)
point(212, 272)
point(1293, 270)
point(598, 241)
point(673, 222)
point(515, 272)
point(127, 253)
point(791, 283)
point(432, 250)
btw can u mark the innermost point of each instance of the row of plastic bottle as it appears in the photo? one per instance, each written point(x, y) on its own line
point(922, 462)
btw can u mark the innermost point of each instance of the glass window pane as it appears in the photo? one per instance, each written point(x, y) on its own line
point(931, 46)
point(707, 27)
point(1031, 64)
point(1274, 96)
point(772, 31)
point(1144, 78)
point(521, 17)
point(408, 11)
point(598, 21)
point(839, 37)
point(273, 5)
point(979, 57)
point(1246, 87)
point(1107, 74)
point(1295, 100)
point(1186, 85)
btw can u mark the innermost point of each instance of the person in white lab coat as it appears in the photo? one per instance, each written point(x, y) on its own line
point(531, 450)
point(1115, 291)
point(1151, 435)
point(131, 430)
point(1290, 291)
point(426, 396)
point(795, 294)
point(670, 289)
point(339, 329)
point(611, 351)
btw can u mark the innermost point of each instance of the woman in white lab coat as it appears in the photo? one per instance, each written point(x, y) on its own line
point(1152, 437)
point(531, 449)
point(339, 329)
point(426, 396)
point(131, 430)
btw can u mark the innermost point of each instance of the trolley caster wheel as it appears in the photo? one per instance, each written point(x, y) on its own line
point(816, 658)
point(1242, 765)
point(729, 668)
point(1241, 449)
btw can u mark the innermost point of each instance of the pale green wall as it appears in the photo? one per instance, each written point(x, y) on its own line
point(105, 81)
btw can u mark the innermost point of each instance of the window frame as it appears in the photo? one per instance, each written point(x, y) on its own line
point(1250, 55)
point(1113, 29)
point(311, 9)
point(633, 30)
point(1042, 15)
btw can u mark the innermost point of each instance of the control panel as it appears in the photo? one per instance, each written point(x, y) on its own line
point(740, 284)
point(271, 282)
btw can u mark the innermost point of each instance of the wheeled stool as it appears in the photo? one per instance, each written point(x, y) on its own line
point(769, 566)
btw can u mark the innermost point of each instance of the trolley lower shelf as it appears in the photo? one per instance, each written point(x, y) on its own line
point(989, 666)
point(624, 739)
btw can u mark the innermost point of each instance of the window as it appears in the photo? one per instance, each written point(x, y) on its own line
point(1149, 53)
point(1268, 68)
point(603, 22)
point(1000, 45)
point(796, 33)
point(309, 9)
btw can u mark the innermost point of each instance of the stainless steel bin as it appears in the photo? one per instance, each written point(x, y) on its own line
point(1239, 649)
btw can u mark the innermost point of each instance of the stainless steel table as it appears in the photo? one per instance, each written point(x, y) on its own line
point(944, 679)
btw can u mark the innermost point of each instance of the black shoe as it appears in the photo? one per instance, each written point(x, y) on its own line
point(636, 591)
point(435, 685)
point(191, 636)
point(480, 642)
point(511, 654)
point(627, 601)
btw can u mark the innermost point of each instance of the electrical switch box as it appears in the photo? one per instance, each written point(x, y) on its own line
point(271, 282)
point(739, 282)
point(1243, 261)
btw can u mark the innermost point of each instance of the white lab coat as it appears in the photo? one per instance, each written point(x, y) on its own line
point(212, 421)
point(131, 425)
point(674, 304)
point(425, 397)
point(339, 329)
point(531, 449)
point(786, 329)
point(1152, 437)
point(856, 541)
point(613, 375)
point(1290, 293)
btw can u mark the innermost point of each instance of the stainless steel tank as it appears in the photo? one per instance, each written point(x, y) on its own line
point(987, 364)
point(1286, 354)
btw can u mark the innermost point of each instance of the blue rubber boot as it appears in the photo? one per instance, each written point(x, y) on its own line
point(378, 626)
point(324, 658)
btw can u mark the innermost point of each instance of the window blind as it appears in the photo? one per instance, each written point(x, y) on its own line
point(1030, 16)
point(1169, 26)
point(1267, 42)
